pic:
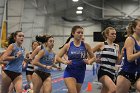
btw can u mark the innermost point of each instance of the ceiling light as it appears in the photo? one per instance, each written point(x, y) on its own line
point(75, 0)
point(78, 12)
point(80, 8)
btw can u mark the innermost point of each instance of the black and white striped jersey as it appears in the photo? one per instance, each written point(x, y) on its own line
point(109, 57)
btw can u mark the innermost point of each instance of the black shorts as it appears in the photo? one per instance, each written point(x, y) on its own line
point(12, 75)
point(101, 73)
point(42, 75)
point(132, 77)
point(29, 72)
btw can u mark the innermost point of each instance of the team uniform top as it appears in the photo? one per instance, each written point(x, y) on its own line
point(16, 64)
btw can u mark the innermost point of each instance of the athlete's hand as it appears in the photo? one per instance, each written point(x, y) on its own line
point(68, 62)
point(122, 51)
point(23, 64)
point(86, 61)
point(89, 61)
point(18, 54)
point(47, 67)
point(30, 58)
point(98, 60)
point(59, 68)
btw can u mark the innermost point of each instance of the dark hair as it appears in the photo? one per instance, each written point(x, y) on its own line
point(34, 42)
point(12, 36)
point(43, 38)
point(131, 26)
point(106, 31)
point(74, 28)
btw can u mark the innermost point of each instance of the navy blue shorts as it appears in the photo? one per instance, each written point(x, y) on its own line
point(79, 75)
point(132, 77)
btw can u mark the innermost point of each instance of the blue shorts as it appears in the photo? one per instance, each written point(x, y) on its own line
point(79, 75)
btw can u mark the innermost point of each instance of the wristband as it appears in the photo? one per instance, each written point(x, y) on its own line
point(16, 56)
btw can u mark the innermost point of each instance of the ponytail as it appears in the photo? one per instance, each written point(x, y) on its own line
point(103, 34)
point(12, 36)
point(67, 41)
point(132, 26)
point(40, 39)
point(43, 38)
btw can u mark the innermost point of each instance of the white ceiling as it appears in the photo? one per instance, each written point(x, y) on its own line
point(93, 9)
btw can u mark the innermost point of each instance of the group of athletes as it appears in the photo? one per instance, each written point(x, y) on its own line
point(76, 54)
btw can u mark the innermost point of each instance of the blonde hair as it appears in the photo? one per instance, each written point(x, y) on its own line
point(106, 32)
point(131, 26)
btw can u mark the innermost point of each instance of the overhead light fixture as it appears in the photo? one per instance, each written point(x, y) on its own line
point(80, 8)
point(78, 12)
point(75, 0)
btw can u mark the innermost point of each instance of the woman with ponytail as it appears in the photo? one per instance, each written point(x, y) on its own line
point(36, 47)
point(67, 41)
point(130, 72)
point(76, 51)
point(44, 61)
point(108, 56)
point(65, 57)
point(12, 73)
point(40, 39)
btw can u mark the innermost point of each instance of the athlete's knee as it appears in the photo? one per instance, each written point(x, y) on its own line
point(35, 91)
point(47, 90)
point(112, 90)
point(138, 89)
point(78, 90)
point(71, 91)
point(19, 90)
